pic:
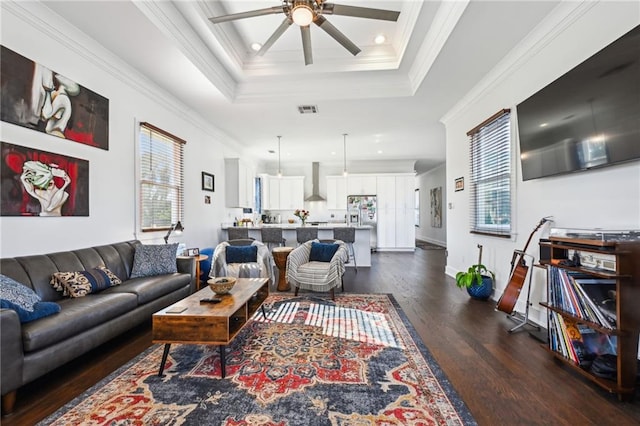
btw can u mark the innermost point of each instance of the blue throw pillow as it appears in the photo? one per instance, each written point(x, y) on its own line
point(150, 260)
point(40, 310)
point(241, 254)
point(322, 252)
point(17, 293)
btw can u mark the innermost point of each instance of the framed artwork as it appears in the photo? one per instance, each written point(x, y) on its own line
point(192, 252)
point(40, 183)
point(459, 184)
point(436, 207)
point(207, 182)
point(35, 97)
point(207, 199)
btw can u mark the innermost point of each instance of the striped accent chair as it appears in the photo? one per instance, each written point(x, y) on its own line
point(315, 275)
point(262, 268)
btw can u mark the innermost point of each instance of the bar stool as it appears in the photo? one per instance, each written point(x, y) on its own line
point(306, 234)
point(237, 233)
point(348, 235)
point(272, 236)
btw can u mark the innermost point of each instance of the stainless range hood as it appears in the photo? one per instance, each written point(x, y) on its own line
point(315, 183)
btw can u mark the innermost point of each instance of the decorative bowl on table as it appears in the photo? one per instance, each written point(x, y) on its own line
point(291, 220)
point(221, 285)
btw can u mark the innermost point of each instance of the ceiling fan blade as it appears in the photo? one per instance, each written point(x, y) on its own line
point(336, 34)
point(306, 44)
point(275, 36)
point(249, 14)
point(360, 12)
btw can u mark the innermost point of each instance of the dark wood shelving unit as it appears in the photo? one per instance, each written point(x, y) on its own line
point(627, 281)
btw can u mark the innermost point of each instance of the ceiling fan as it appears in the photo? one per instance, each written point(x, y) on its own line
point(305, 12)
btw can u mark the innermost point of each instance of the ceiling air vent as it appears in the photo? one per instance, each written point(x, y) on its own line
point(307, 109)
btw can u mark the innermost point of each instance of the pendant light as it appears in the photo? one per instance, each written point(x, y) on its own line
point(344, 169)
point(279, 169)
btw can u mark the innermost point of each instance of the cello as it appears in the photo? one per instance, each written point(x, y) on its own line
point(519, 269)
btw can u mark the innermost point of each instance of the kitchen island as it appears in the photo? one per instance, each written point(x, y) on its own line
point(361, 246)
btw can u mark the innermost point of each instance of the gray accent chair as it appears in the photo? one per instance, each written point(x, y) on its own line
point(262, 268)
point(314, 275)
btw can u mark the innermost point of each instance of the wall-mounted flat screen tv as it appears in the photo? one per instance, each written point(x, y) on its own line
point(587, 118)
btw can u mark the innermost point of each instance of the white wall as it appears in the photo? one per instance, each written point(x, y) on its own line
point(607, 198)
point(42, 37)
point(425, 182)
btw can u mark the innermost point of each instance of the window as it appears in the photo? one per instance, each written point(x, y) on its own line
point(161, 178)
point(490, 187)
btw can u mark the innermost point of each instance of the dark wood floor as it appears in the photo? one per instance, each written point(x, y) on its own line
point(504, 378)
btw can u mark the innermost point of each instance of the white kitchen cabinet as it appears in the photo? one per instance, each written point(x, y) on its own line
point(405, 212)
point(271, 194)
point(361, 185)
point(395, 198)
point(336, 193)
point(285, 193)
point(239, 183)
point(292, 193)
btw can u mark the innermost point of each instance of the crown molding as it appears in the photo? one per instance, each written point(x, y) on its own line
point(337, 86)
point(57, 28)
point(172, 23)
point(556, 22)
point(446, 19)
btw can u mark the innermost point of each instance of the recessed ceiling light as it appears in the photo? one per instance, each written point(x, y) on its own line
point(333, 153)
point(255, 46)
point(380, 38)
point(544, 124)
point(379, 151)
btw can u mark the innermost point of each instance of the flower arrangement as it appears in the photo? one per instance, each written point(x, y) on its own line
point(302, 214)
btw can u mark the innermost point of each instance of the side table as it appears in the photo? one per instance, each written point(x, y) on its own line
point(280, 255)
point(199, 258)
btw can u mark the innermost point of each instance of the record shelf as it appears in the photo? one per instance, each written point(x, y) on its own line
point(625, 274)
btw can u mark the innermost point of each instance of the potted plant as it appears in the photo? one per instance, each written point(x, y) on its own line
point(478, 280)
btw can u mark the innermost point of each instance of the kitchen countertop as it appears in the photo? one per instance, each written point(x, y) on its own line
point(297, 225)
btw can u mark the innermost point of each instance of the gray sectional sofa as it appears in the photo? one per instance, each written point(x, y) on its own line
point(31, 349)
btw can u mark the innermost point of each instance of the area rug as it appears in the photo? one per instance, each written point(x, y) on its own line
point(311, 361)
point(424, 245)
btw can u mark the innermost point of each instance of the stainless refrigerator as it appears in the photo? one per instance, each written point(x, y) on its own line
point(363, 210)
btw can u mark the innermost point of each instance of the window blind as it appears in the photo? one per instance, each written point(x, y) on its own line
point(490, 188)
point(161, 178)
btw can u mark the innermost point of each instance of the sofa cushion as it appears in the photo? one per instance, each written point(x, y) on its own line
point(150, 260)
point(38, 310)
point(148, 289)
point(322, 252)
point(18, 294)
point(241, 254)
point(76, 316)
point(81, 283)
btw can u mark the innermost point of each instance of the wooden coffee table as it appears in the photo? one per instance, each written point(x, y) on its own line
point(193, 322)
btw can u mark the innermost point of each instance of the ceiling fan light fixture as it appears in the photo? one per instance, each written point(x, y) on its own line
point(302, 14)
